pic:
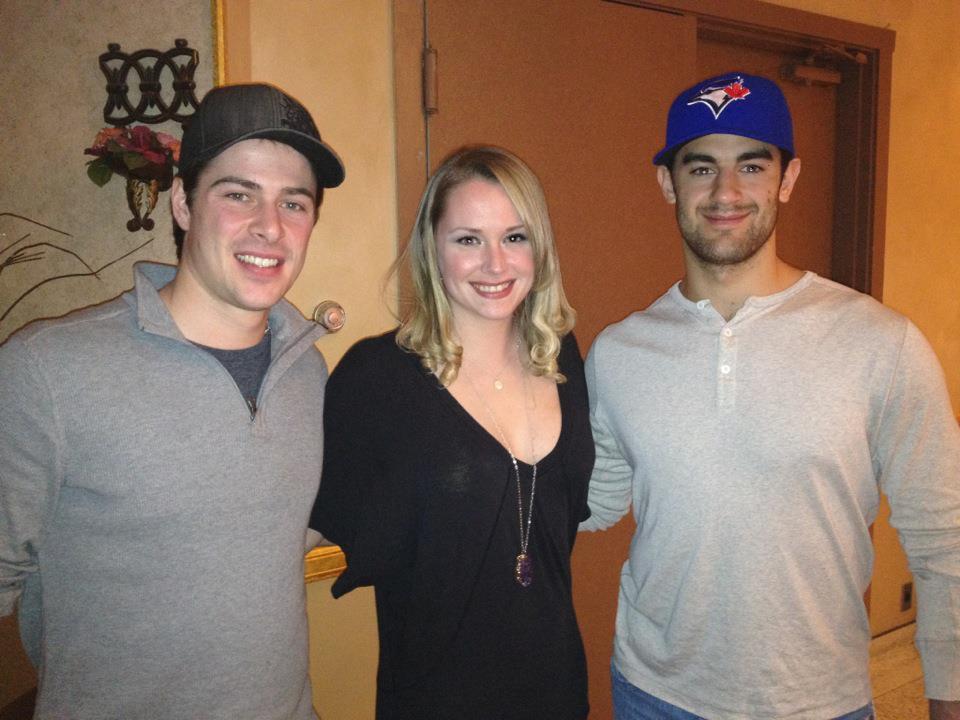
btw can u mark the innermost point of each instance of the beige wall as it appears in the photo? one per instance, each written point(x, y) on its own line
point(343, 652)
point(336, 57)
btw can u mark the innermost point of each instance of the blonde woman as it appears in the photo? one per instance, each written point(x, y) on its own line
point(457, 456)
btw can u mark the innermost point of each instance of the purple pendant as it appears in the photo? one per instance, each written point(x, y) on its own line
point(524, 570)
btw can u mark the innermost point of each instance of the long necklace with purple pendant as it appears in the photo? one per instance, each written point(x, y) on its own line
point(523, 570)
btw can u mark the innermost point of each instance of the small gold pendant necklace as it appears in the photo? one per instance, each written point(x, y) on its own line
point(497, 382)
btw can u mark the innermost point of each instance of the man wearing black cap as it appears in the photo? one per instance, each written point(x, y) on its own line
point(751, 416)
point(160, 453)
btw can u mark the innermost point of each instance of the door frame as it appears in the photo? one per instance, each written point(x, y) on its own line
point(864, 59)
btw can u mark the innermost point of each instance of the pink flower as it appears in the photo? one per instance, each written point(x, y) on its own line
point(170, 143)
point(133, 152)
point(108, 133)
point(141, 137)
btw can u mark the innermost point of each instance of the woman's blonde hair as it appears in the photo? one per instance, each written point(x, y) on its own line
point(543, 318)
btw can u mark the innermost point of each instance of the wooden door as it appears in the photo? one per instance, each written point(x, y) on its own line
point(578, 89)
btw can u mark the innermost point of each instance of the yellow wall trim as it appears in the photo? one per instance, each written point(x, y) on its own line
point(324, 562)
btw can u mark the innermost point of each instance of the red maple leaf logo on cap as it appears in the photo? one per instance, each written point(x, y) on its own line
point(736, 90)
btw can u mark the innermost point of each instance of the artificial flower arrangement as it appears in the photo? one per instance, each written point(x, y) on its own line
point(134, 152)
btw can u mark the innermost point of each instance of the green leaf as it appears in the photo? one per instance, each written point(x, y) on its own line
point(99, 172)
point(134, 160)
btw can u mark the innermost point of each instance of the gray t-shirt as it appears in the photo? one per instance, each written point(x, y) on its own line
point(247, 366)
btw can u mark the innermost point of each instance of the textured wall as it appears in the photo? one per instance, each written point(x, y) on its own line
point(53, 94)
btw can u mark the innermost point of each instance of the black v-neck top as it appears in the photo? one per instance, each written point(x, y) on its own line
point(423, 501)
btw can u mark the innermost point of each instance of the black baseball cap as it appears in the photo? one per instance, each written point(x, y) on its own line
point(232, 113)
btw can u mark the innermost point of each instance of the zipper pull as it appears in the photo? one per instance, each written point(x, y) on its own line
point(252, 407)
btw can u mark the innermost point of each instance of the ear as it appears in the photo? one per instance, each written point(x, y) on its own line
point(178, 204)
point(789, 179)
point(666, 184)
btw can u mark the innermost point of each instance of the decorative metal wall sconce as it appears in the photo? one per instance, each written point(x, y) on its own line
point(145, 158)
point(180, 63)
point(142, 197)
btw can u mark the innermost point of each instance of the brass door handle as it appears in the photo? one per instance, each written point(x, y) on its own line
point(330, 314)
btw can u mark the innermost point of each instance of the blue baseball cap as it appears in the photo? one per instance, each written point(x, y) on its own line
point(732, 104)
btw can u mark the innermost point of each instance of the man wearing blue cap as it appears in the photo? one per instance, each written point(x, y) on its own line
point(160, 453)
point(751, 416)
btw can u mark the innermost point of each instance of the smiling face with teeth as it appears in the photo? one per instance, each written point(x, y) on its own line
point(247, 230)
point(483, 253)
point(727, 191)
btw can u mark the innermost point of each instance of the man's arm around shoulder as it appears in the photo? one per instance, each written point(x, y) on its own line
point(611, 482)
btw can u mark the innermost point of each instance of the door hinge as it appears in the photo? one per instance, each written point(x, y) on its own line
point(430, 105)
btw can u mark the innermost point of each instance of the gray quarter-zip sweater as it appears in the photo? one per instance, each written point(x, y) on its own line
point(151, 529)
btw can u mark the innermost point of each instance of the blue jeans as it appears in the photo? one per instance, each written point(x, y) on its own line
point(632, 703)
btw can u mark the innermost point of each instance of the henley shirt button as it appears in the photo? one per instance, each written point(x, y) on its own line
point(725, 369)
point(727, 332)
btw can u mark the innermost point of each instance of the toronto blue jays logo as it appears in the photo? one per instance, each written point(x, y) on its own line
point(718, 97)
